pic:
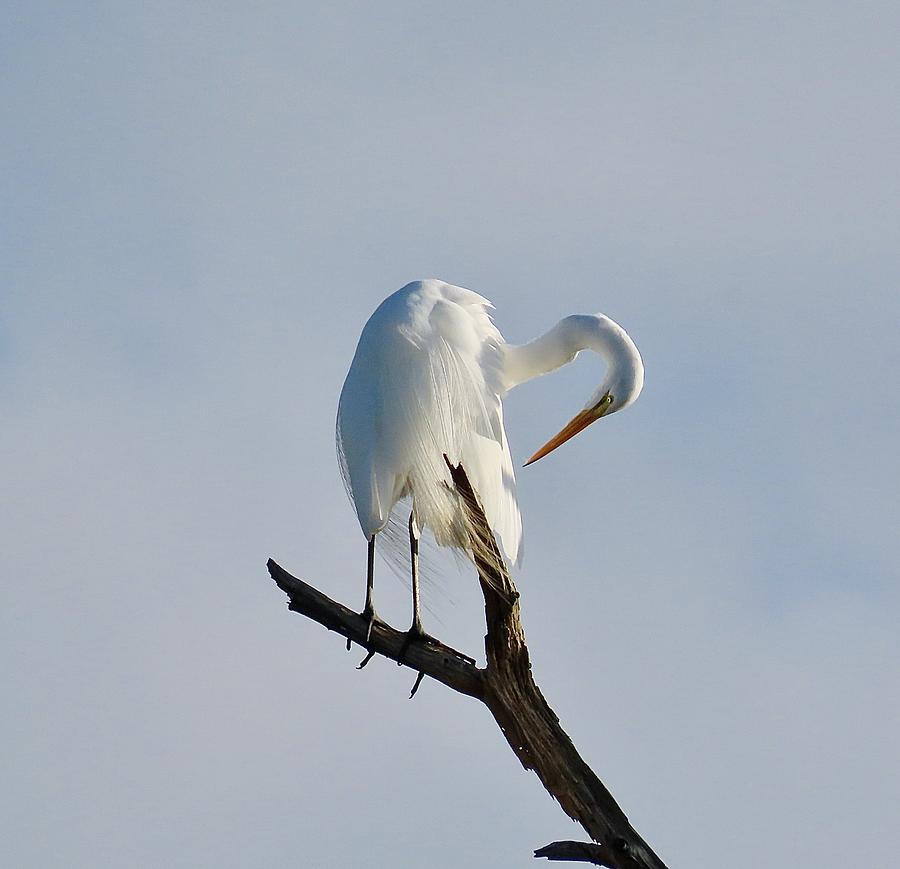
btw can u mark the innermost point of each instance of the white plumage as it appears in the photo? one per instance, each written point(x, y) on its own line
point(427, 381)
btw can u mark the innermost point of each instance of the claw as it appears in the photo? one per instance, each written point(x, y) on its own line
point(415, 686)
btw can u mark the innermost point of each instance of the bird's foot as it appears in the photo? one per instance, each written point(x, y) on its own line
point(371, 617)
point(414, 635)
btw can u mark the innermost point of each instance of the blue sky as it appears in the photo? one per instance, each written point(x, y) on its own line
point(201, 206)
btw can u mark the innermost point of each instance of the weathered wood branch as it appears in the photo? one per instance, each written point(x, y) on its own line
point(507, 688)
point(455, 670)
point(578, 852)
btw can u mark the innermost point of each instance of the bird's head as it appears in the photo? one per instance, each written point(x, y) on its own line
point(621, 387)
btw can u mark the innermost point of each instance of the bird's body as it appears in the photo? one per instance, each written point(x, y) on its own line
point(426, 383)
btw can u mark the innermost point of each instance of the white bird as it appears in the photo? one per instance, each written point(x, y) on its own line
point(426, 382)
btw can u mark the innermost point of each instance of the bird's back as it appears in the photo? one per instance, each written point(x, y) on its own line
point(426, 382)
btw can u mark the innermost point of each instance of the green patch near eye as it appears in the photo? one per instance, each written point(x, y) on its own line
point(604, 402)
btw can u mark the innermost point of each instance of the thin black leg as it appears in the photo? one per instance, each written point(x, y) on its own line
point(415, 632)
point(414, 565)
point(369, 610)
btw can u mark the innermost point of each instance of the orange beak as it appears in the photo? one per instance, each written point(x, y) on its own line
point(580, 421)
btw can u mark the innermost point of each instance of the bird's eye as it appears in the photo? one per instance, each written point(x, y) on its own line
point(603, 404)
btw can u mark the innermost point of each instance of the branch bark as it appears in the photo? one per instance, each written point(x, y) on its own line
point(508, 690)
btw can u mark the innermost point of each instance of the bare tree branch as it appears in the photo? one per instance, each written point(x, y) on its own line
point(507, 688)
point(454, 669)
point(578, 852)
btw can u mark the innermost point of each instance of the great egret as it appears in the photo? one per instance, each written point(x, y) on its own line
point(426, 382)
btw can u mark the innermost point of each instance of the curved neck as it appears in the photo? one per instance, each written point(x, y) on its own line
point(624, 369)
point(555, 348)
